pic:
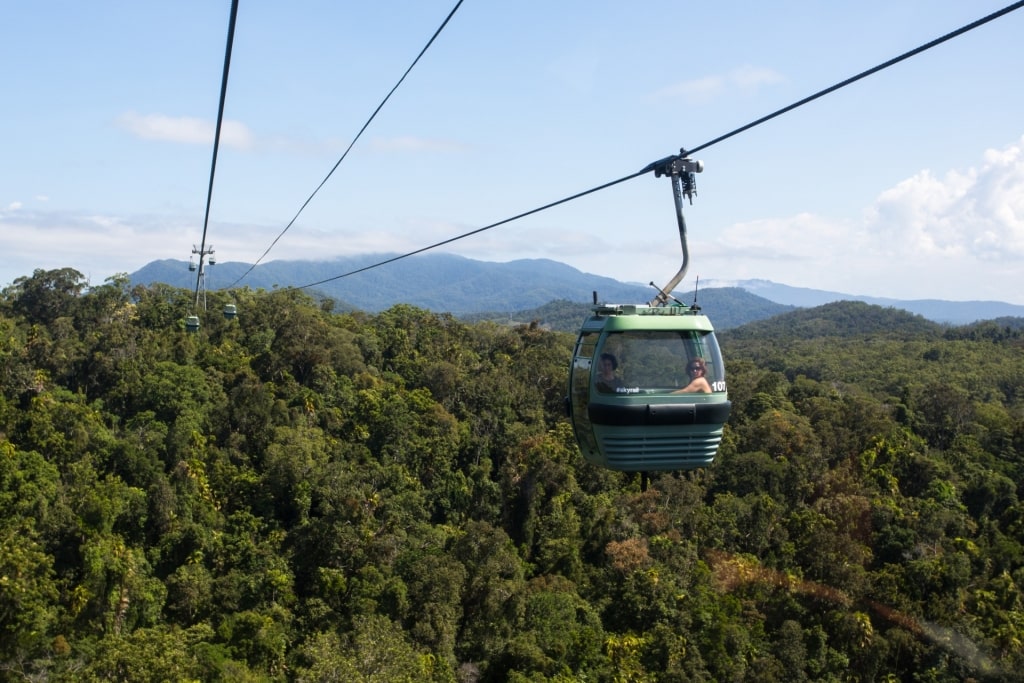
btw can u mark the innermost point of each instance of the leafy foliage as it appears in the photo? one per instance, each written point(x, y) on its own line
point(299, 494)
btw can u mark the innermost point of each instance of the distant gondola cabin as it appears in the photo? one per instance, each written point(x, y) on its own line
point(641, 412)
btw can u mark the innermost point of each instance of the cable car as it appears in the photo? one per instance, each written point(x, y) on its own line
point(640, 417)
point(230, 311)
point(192, 324)
point(647, 389)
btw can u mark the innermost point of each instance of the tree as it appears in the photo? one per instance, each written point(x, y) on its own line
point(46, 295)
point(492, 597)
point(376, 651)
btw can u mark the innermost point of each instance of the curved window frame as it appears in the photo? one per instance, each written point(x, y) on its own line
point(655, 361)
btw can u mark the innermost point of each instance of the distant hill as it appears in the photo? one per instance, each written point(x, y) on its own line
point(845, 319)
point(437, 282)
point(531, 289)
point(1011, 323)
point(549, 292)
point(953, 312)
point(727, 307)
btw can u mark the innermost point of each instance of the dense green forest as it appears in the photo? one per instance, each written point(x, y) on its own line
point(300, 494)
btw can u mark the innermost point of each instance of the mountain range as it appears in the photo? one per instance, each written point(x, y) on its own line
point(952, 312)
point(481, 289)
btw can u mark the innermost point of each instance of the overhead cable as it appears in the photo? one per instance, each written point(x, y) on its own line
point(216, 142)
point(685, 151)
point(352, 144)
point(864, 74)
point(478, 230)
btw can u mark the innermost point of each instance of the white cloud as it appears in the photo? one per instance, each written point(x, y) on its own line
point(914, 217)
point(191, 130)
point(978, 213)
point(697, 91)
point(746, 78)
point(953, 237)
point(751, 77)
point(185, 129)
point(14, 206)
point(798, 238)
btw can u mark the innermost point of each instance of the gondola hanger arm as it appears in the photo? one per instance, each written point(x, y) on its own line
point(683, 171)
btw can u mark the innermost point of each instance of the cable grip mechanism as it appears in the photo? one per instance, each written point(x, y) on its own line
point(683, 171)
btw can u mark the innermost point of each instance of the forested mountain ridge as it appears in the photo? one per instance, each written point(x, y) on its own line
point(949, 312)
point(302, 495)
point(549, 292)
point(437, 282)
point(728, 307)
point(849, 319)
point(446, 283)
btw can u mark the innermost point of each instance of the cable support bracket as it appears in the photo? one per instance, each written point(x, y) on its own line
point(682, 169)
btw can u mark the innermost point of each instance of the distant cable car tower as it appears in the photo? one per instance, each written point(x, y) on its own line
point(201, 276)
point(192, 321)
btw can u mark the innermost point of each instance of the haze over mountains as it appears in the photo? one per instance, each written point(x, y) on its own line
point(463, 286)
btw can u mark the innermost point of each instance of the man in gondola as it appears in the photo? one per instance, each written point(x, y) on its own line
point(607, 380)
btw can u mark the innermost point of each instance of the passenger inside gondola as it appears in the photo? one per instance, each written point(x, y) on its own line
point(696, 371)
point(607, 380)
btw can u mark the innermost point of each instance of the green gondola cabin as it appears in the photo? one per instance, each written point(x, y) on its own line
point(649, 418)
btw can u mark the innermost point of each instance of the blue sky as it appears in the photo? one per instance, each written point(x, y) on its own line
point(908, 184)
